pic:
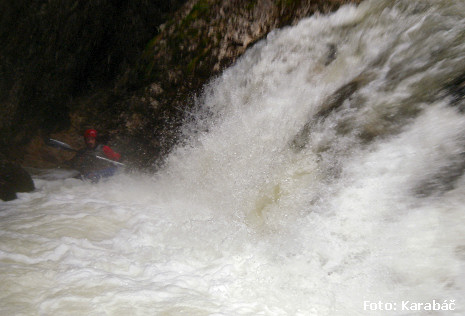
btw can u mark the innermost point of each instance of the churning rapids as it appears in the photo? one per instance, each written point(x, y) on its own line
point(322, 174)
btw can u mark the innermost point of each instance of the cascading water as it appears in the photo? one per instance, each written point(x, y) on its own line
point(321, 175)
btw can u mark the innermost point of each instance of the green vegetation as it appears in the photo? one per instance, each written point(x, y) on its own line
point(199, 10)
point(286, 3)
point(251, 4)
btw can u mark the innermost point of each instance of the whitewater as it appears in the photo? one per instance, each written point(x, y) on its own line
point(322, 174)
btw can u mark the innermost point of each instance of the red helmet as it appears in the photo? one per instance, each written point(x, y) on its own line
point(90, 133)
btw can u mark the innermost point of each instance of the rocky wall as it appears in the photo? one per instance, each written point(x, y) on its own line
point(137, 104)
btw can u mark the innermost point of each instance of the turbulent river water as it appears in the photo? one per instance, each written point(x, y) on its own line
point(322, 174)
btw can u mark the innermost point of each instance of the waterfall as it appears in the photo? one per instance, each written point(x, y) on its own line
point(322, 174)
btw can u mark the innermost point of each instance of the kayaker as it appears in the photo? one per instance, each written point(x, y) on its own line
point(86, 160)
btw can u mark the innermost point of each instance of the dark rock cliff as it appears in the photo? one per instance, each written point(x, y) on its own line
point(55, 52)
point(13, 179)
point(83, 64)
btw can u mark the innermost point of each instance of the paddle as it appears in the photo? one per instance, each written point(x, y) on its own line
point(57, 144)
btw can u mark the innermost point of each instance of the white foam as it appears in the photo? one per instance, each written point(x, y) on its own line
point(240, 221)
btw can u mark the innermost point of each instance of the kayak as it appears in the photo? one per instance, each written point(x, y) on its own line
point(96, 175)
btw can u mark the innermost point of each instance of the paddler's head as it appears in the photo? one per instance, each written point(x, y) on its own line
point(90, 137)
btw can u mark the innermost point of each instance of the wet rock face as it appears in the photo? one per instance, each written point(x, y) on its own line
point(217, 32)
point(205, 36)
point(87, 75)
point(202, 39)
point(13, 179)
